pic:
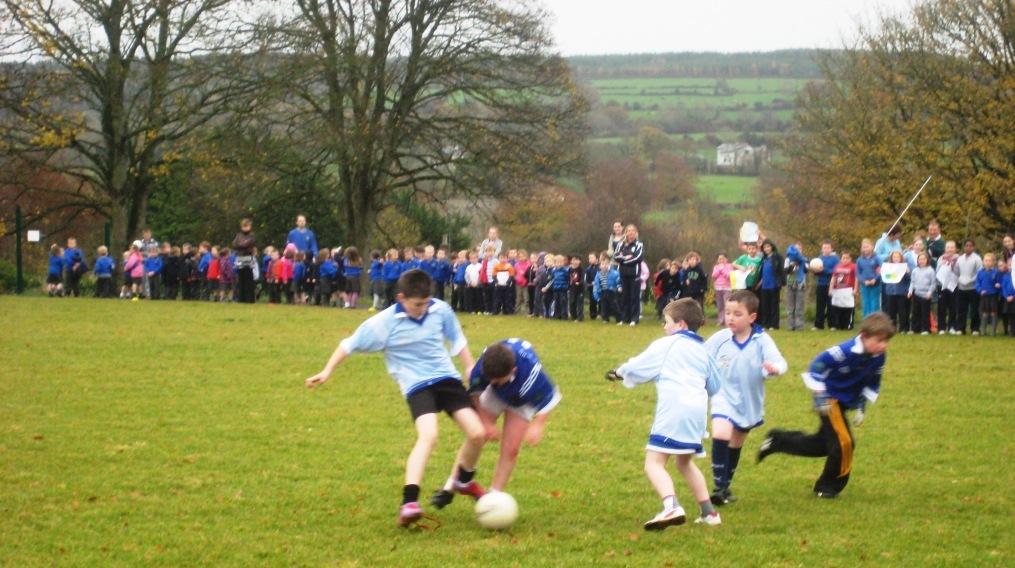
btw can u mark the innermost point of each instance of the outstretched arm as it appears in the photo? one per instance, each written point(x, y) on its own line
point(336, 358)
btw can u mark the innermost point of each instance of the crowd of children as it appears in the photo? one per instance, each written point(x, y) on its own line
point(924, 288)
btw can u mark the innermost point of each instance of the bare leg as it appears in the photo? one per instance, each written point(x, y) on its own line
point(426, 439)
point(693, 476)
point(511, 440)
point(655, 469)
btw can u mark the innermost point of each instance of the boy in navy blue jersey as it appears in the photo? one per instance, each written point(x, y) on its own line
point(508, 379)
point(844, 377)
point(412, 334)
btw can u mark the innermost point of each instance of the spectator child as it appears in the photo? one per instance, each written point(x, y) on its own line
point(522, 275)
point(605, 289)
point(576, 289)
point(134, 268)
point(532, 289)
point(796, 288)
point(326, 275)
point(746, 357)
point(824, 307)
point(545, 286)
point(299, 284)
point(666, 285)
point(842, 292)
point(922, 284)
point(444, 274)
point(559, 287)
point(947, 285)
point(312, 279)
point(503, 285)
point(721, 283)
point(750, 262)
point(390, 272)
point(1007, 297)
point(75, 265)
point(590, 277)
point(487, 281)
point(103, 274)
point(419, 336)
point(896, 294)
point(54, 276)
point(685, 377)
point(473, 291)
point(988, 286)
point(376, 280)
point(460, 262)
point(227, 274)
point(353, 270)
point(214, 273)
point(867, 267)
point(172, 273)
point(153, 269)
point(844, 377)
point(694, 282)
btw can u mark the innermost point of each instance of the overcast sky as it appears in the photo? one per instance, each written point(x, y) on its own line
point(588, 27)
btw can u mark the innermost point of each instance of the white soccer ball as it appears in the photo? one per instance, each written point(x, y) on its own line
point(496, 510)
point(816, 265)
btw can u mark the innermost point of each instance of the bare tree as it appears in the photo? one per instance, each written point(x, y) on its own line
point(99, 90)
point(434, 99)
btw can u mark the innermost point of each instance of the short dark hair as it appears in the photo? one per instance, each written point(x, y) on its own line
point(415, 284)
point(896, 230)
point(498, 360)
point(877, 324)
point(745, 298)
point(687, 310)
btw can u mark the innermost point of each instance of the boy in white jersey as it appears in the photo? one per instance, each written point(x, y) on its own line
point(746, 357)
point(412, 332)
point(685, 377)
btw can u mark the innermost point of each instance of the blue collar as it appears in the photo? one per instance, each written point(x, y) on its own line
point(689, 334)
point(755, 331)
point(402, 314)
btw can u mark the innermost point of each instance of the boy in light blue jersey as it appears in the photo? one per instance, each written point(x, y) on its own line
point(685, 376)
point(844, 377)
point(412, 335)
point(746, 357)
point(508, 379)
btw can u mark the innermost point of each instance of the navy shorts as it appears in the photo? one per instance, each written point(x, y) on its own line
point(448, 395)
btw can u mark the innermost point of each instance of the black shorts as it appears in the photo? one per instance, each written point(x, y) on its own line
point(54, 279)
point(448, 395)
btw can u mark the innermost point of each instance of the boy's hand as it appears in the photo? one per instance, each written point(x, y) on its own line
point(534, 434)
point(770, 368)
point(858, 417)
point(612, 375)
point(821, 405)
point(318, 379)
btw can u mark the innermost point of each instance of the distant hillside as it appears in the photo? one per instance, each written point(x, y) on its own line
point(789, 64)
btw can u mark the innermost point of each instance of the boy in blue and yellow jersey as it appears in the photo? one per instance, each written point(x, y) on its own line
point(508, 379)
point(844, 377)
point(412, 335)
point(746, 357)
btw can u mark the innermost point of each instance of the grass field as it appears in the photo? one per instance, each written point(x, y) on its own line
point(180, 434)
point(727, 189)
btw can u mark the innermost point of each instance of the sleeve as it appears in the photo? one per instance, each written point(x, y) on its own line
point(313, 243)
point(597, 288)
point(873, 388)
point(713, 380)
point(289, 237)
point(771, 354)
point(822, 365)
point(645, 367)
point(370, 337)
point(453, 331)
point(637, 253)
point(477, 382)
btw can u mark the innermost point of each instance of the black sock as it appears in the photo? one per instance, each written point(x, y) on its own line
point(464, 475)
point(410, 494)
point(734, 460)
point(720, 462)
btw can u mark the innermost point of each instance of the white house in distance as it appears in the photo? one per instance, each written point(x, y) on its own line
point(740, 157)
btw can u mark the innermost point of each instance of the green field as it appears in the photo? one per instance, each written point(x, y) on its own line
point(727, 189)
point(180, 434)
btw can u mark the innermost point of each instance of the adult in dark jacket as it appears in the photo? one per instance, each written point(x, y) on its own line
point(243, 246)
point(769, 287)
point(629, 259)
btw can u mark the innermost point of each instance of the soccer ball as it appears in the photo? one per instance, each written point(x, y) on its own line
point(496, 510)
point(816, 265)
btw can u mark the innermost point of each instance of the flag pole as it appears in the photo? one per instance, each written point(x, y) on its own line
point(910, 203)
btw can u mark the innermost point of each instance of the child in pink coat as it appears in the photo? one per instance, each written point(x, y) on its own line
point(721, 282)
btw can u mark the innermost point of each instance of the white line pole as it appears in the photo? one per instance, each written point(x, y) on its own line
point(910, 203)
